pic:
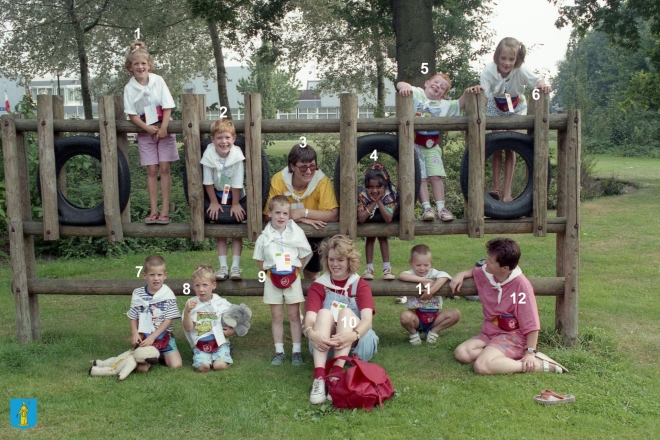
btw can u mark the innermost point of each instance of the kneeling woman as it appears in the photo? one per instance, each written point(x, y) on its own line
point(339, 311)
point(509, 333)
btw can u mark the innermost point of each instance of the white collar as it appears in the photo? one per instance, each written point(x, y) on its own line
point(287, 176)
point(211, 157)
point(496, 285)
point(326, 281)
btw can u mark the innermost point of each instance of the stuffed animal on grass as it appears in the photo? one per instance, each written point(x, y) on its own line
point(125, 363)
point(237, 317)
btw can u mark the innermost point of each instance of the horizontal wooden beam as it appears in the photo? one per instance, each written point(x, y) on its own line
point(369, 125)
point(182, 230)
point(68, 286)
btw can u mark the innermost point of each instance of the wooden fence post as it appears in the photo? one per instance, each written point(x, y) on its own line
point(47, 167)
point(122, 144)
point(348, 116)
point(475, 110)
point(192, 146)
point(560, 237)
point(540, 177)
point(252, 105)
point(571, 265)
point(405, 113)
point(15, 230)
point(58, 113)
point(109, 172)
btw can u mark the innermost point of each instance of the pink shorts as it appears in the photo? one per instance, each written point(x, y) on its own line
point(154, 151)
point(510, 344)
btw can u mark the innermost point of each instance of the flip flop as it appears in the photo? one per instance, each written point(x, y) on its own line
point(549, 397)
point(151, 220)
point(494, 194)
point(547, 360)
point(164, 220)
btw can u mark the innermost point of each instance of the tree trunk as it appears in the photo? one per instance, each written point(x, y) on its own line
point(79, 35)
point(380, 73)
point(415, 42)
point(220, 71)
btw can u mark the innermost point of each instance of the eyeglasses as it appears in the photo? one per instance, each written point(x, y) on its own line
point(304, 168)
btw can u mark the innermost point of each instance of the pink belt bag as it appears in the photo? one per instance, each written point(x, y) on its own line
point(508, 323)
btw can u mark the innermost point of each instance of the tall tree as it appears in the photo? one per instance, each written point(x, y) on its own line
point(415, 41)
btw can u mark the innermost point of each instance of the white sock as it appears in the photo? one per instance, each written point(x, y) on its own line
point(235, 261)
point(386, 265)
point(279, 348)
point(440, 205)
point(370, 266)
point(223, 260)
point(297, 347)
point(426, 205)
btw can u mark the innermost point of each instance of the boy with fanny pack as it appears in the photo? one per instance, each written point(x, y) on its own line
point(202, 323)
point(425, 314)
point(280, 251)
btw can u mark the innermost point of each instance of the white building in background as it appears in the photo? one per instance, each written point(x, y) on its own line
point(311, 105)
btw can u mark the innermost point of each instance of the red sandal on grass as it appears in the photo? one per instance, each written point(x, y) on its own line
point(164, 220)
point(549, 397)
point(151, 220)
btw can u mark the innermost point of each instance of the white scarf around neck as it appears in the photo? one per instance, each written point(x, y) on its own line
point(498, 286)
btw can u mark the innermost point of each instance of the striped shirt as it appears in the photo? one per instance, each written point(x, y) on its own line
point(158, 312)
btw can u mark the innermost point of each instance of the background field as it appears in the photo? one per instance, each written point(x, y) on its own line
point(613, 373)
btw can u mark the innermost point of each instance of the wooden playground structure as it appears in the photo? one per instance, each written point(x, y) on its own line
point(113, 128)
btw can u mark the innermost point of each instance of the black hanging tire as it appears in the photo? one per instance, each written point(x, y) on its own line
point(521, 144)
point(386, 144)
point(223, 217)
point(69, 147)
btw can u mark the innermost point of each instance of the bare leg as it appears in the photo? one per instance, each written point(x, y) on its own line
point(496, 160)
point(370, 243)
point(445, 319)
point(345, 319)
point(220, 365)
point(409, 321)
point(493, 361)
point(293, 311)
point(152, 188)
point(277, 324)
point(384, 248)
point(221, 246)
point(423, 192)
point(509, 166)
point(204, 368)
point(469, 350)
point(165, 187)
point(325, 324)
point(173, 359)
point(236, 246)
point(143, 368)
point(438, 188)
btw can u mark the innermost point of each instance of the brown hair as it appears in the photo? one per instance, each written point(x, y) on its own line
point(280, 200)
point(223, 126)
point(419, 249)
point(153, 261)
point(505, 251)
point(443, 76)
point(344, 247)
point(299, 153)
point(515, 46)
point(138, 48)
point(204, 272)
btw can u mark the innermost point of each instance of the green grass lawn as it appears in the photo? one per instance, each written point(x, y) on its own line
point(613, 373)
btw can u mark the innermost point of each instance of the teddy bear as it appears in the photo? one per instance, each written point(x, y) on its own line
point(125, 363)
point(237, 317)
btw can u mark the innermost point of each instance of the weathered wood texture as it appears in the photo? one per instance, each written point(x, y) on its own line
point(541, 132)
point(560, 238)
point(15, 230)
point(58, 113)
point(47, 166)
point(406, 171)
point(182, 230)
point(569, 319)
point(122, 144)
point(109, 173)
point(348, 103)
point(253, 163)
point(542, 287)
point(476, 144)
point(368, 125)
point(191, 118)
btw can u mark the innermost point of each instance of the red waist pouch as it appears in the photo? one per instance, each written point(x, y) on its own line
point(283, 281)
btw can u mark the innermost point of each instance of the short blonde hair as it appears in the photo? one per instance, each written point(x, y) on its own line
point(153, 261)
point(343, 247)
point(515, 46)
point(223, 126)
point(204, 272)
point(280, 200)
point(443, 76)
point(138, 48)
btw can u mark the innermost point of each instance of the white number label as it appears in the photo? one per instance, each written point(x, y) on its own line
point(139, 268)
point(137, 33)
point(262, 276)
point(303, 141)
point(223, 113)
point(425, 68)
point(186, 289)
point(535, 94)
point(374, 155)
point(428, 289)
point(352, 321)
point(521, 297)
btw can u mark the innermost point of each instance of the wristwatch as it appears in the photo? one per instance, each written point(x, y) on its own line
point(531, 350)
point(306, 212)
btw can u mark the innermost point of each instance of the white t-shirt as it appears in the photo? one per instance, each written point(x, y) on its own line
point(433, 108)
point(271, 241)
point(514, 84)
point(137, 96)
point(218, 171)
point(434, 303)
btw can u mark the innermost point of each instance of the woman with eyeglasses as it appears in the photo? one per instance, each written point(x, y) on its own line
point(312, 197)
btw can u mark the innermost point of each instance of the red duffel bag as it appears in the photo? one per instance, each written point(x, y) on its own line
point(362, 385)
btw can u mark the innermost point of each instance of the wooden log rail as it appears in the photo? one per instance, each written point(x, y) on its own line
point(543, 286)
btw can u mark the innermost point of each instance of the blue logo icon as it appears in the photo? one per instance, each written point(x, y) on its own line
point(23, 413)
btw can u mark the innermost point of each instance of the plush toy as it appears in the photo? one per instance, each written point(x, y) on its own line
point(237, 317)
point(125, 363)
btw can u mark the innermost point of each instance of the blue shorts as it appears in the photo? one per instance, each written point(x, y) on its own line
point(203, 358)
point(366, 349)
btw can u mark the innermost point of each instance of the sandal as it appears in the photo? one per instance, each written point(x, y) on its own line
point(164, 220)
point(549, 397)
point(494, 194)
point(550, 365)
point(151, 220)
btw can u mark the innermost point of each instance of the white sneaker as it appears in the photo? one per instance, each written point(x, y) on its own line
point(222, 273)
point(368, 274)
point(428, 215)
point(317, 395)
point(445, 215)
point(388, 275)
point(235, 274)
